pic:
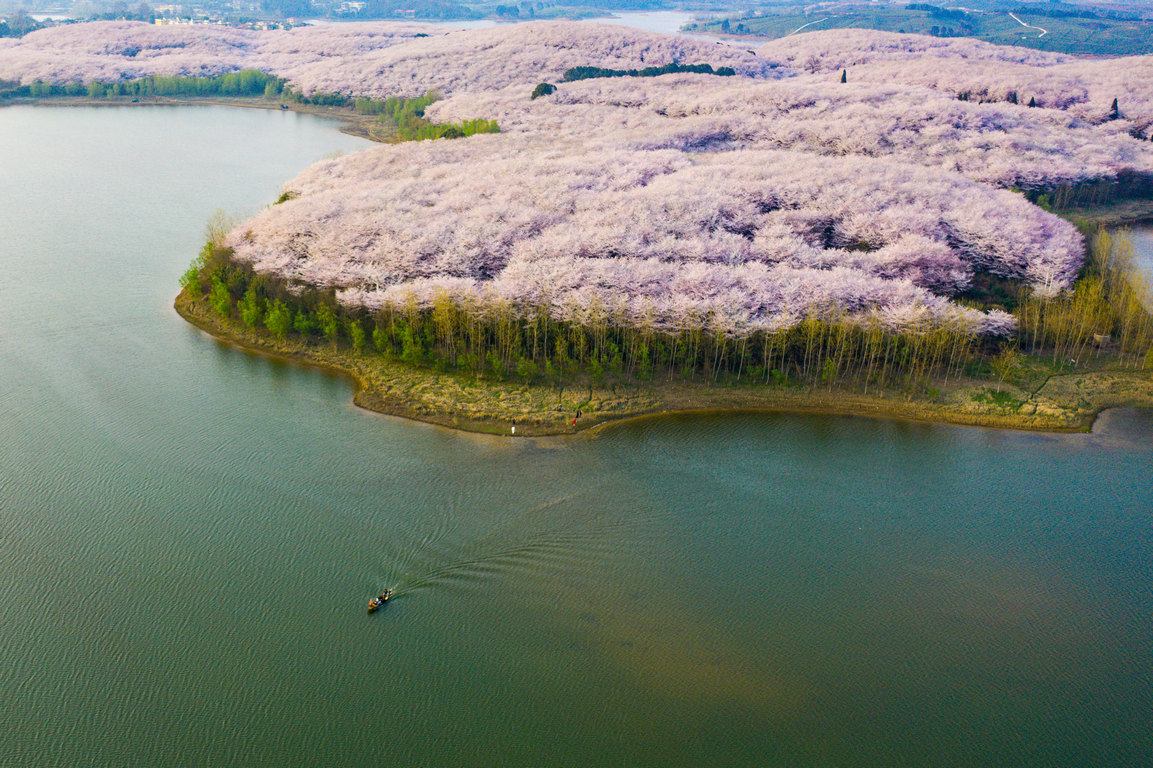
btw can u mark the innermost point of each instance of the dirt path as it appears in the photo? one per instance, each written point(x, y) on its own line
point(811, 23)
point(1030, 26)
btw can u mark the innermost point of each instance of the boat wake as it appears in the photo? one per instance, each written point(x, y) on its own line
point(531, 545)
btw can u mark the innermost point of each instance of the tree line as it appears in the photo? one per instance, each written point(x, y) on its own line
point(1126, 185)
point(497, 338)
point(1108, 306)
point(18, 24)
point(406, 116)
point(588, 73)
point(248, 82)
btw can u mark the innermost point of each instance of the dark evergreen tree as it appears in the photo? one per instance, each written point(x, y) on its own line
point(587, 73)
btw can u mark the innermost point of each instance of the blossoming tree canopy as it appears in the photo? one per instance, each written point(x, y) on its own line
point(760, 237)
point(364, 59)
point(1005, 144)
point(756, 199)
point(1084, 88)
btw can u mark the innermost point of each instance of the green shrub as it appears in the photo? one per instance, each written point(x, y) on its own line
point(544, 89)
point(526, 369)
point(220, 298)
point(278, 319)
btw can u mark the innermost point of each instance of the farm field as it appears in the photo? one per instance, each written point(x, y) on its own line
point(1098, 36)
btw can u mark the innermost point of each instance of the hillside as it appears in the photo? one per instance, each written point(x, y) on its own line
point(364, 59)
point(849, 176)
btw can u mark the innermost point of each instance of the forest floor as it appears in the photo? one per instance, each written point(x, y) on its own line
point(1038, 396)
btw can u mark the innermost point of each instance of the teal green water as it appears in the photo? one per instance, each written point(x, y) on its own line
point(189, 536)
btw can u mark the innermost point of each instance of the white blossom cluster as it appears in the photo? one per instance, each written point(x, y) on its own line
point(757, 237)
point(364, 59)
point(752, 200)
point(837, 49)
point(110, 51)
point(1005, 144)
point(1081, 88)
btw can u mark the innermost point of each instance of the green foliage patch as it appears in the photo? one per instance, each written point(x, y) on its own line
point(246, 83)
point(543, 89)
point(999, 399)
point(1068, 29)
point(406, 117)
point(497, 339)
point(588, 73)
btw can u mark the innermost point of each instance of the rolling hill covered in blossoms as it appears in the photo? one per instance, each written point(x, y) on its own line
point(848, 173)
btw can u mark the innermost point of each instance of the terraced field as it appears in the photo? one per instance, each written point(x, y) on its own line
point(1096, 35)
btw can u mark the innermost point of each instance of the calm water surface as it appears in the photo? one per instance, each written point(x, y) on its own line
point(1142, 238)
point(668, 22)
point(189, 535)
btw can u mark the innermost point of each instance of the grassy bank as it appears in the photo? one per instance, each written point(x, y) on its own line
point(353, 124)
point(1123, 213)
point(1036, 396)
point(484, 364)
point(390, 120)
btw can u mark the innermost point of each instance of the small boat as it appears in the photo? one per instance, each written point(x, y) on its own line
point(376, 602)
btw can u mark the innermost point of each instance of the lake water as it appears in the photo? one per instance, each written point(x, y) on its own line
point(668, 22)
point(189, 535)
point(1142, 238)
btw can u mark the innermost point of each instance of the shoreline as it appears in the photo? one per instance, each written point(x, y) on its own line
point(1065, 402)
point(1123, 213)
point(1127, 212)
point(1068, 402)
point(352, 123)
point(1131, 212)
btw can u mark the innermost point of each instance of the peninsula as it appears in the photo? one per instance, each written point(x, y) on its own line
point(581, 219)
